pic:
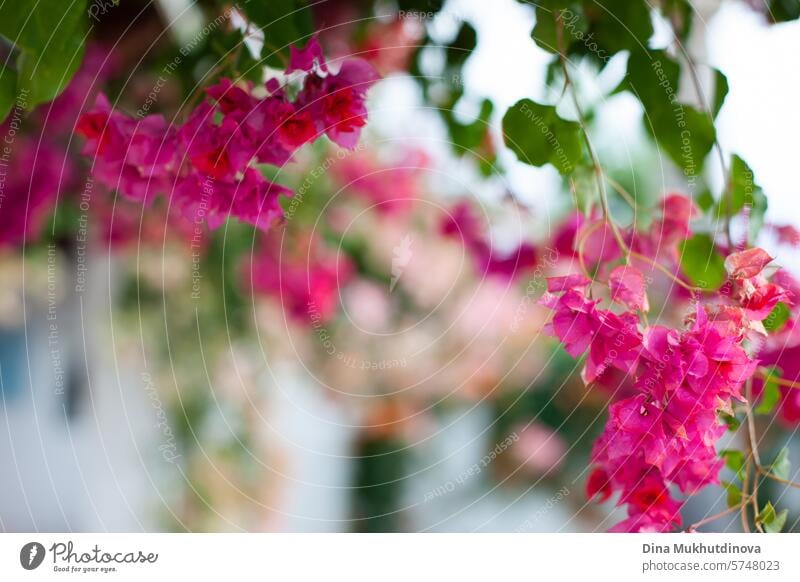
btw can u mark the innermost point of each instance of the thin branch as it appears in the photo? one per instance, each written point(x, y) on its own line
point(716, 516)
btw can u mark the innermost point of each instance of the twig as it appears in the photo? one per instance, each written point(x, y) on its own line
point(716, 516)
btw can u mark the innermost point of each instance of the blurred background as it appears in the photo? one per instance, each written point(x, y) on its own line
point(377, 362)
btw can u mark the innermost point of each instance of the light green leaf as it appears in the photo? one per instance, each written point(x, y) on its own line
point(777, 524)
point(781, 466)
point(771, 394)
point(734, 496)
point(778, 317)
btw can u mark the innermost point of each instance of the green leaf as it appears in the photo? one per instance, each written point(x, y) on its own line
point(781, 466)
point(284, 22)
point(462, 46)
point(777, 318)
point(720, 91)
point(49, 36)
point(767, 513)
point(685, 134)
point(619, 24)
point(776, 525)
point(8, 91)
point(550, 15)
point(538, 136)
point(742, 191)
point(701, 262)
point(771, 394)
point(730, 421)
point(734, 493)
point(734, 460)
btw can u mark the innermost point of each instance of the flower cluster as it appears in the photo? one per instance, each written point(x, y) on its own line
point(207, 166)
point(662, 436)
point(305, 278)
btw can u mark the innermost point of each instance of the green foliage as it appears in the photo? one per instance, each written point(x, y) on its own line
point(731, 422)
point(781, 466)
point(595, 29)
point(701, 262)
point(771, 521)
point(771, 394)
point(720, 91)
point(686, 134)
point(734, 496)
point(457, 51)
point(48, 38)
point(734, 460)
point(539, 136)
point(777, 318)
point(742, 191)
point(284, 23)
point(783, 10)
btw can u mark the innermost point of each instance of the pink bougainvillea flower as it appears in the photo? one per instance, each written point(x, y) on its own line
point(306, 58)
point(627, 286)
point(753, 291)
point(747, 264)
point(787, 234)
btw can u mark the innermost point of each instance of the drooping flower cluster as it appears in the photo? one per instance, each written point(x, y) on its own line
point(663, 435)
point(207, 166)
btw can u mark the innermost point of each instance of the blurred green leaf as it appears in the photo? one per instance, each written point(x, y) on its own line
point(734, 496)
point(284, 23)
point(462, 46)
point(730, 421)
point(734, 460)
point(720, 91)
point(701, 262)
point(770, 394)
point(778, 317)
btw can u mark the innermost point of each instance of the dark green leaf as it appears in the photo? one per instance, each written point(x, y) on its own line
point(701, 262)
point(462, 46)
point(284, 22)
point(619, 24)
point(538, 136)
point(8, 91)
point(720, 91)
point(49, 36)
